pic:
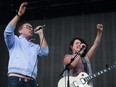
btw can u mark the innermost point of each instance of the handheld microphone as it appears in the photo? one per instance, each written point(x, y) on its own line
point(82, 49)
point(38, 28)
point(83, 46)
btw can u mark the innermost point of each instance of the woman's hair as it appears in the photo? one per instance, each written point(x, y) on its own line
point(82, 41)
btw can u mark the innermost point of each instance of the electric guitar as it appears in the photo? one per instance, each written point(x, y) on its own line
point(82, 79)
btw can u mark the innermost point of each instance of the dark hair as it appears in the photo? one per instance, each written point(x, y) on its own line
point(21, 26)
point(82, 41)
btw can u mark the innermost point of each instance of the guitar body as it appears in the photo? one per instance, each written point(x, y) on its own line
point(77, 81)
point(82, 79)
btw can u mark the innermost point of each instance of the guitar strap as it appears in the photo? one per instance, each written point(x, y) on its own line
point(85, 64)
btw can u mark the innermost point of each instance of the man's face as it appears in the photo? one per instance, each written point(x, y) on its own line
point(27, 30)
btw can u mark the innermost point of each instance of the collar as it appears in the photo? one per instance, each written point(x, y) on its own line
point(23, 36)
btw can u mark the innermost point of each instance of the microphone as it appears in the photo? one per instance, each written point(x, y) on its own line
point(82, 49)
point(38, 28)
point(83, 46)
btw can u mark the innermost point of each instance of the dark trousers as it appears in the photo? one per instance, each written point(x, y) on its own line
point(20, 82)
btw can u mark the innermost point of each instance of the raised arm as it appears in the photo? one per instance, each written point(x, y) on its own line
point(21, 11)
point(9, 30)
point(43, 42)
point(96, 43)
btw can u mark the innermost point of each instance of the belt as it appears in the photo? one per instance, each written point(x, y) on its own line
point(20, 77)
point(24, 79)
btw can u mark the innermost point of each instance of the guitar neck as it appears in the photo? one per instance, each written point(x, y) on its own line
point(100, 72)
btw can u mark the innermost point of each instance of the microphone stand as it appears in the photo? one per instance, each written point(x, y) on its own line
point(67, 67)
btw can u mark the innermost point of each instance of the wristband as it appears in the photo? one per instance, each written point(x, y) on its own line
point(19, 14)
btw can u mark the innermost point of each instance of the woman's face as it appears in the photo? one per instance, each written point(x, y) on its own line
point(76, 46)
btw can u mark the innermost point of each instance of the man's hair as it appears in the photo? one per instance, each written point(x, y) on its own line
point(20, 27)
